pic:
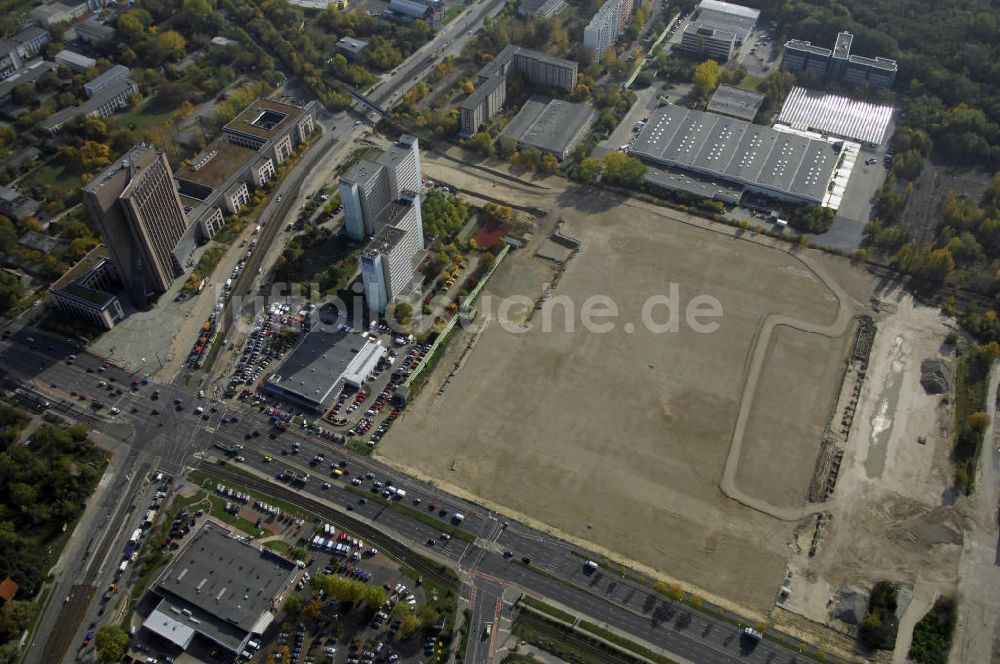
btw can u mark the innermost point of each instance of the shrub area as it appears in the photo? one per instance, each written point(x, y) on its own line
point(932, 635)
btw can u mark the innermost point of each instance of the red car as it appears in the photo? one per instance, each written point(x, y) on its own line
point(431, 507)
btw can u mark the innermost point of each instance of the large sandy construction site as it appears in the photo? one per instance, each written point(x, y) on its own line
point(795, 446)
point(621, 438)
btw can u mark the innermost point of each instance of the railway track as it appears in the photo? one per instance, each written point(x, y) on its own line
point(427, 568)
point(569, 637)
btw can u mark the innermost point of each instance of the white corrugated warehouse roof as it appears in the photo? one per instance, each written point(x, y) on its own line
point(730, 8)
point(843, 117)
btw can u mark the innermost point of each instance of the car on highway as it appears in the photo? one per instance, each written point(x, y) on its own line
point(268, 458)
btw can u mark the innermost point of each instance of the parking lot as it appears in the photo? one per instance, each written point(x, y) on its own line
point(265, 344)
point(364, 414)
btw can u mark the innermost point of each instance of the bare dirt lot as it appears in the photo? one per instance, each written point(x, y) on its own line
point(785, 390)
point(629, 431)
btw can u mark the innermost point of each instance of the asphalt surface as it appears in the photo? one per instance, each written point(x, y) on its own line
point(168, 439)
point(165, 437)
point(485, 597)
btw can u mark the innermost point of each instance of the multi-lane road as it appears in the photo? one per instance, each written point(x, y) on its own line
point(169, 439)
point(154, 433)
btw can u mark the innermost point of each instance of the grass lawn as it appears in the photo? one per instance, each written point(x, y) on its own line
point(220, 513)
point(147, 114)
point(279, 546)
point(558, 614)
point(751, 82)
point(207, 481)
point(453, 12)
point(56, 176)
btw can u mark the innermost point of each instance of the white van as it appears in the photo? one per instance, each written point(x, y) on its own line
point(590, 567)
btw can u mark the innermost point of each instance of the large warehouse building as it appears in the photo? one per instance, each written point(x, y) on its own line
point(323, 362)
point(785, 165)
point(812, 110)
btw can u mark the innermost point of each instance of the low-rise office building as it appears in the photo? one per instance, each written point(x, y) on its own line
point(25, 76)
point(838, 64)
point(718, 29)
point(74, 61)
point(218, 181)
point(95, 31)
point(351, 47)
point(271, 126)
point(86, 290)
point(19, 49)
point(102, 81)
point(114, 97)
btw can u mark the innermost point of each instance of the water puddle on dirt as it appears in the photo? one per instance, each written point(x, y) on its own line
point(882, 422)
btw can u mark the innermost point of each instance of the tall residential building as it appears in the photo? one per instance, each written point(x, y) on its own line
point(135, 205)
point(491, 88)
point(838, 64)
point(604, 28)
point(370, 187)
point(381, 201)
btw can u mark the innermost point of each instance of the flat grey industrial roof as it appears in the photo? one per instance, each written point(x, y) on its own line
point(748, 154)
point(229, 586)
point(549, 124)
point(727, 16)
point(313, 369)
point(813, 110)
point(701, 185)
point(737, 102)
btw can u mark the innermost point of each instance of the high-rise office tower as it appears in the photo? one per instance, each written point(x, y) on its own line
point(135, 205)
point(381, 201)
